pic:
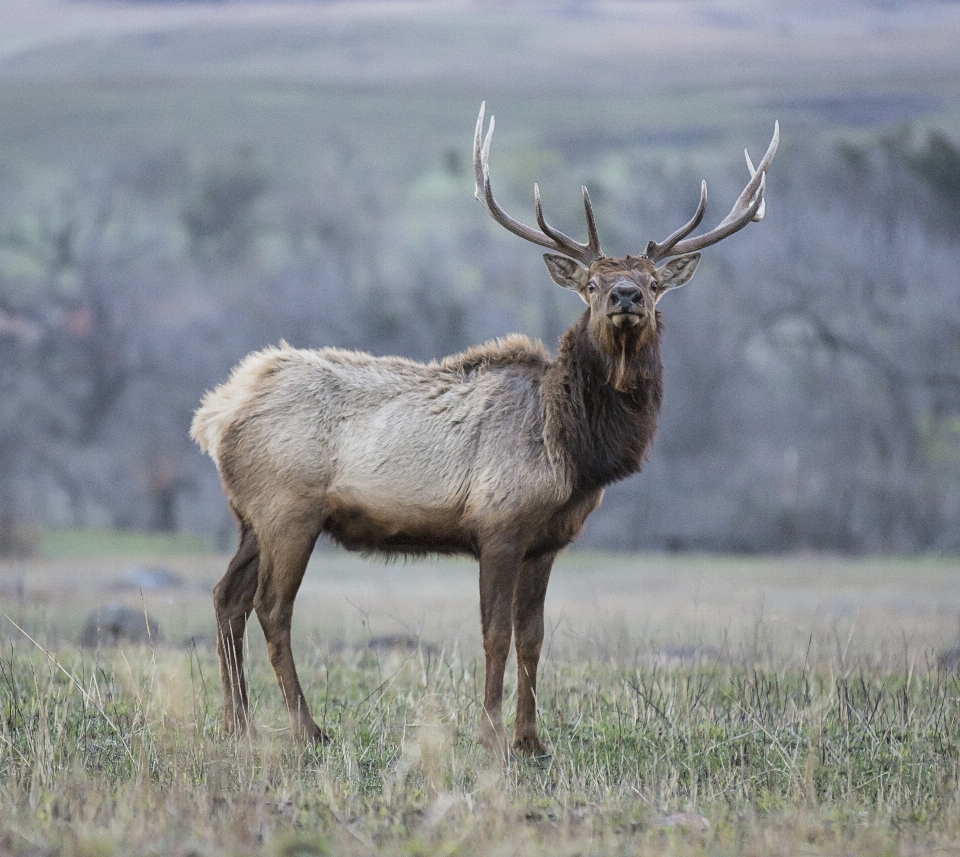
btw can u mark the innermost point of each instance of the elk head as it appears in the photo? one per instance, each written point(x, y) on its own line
point(622, 293)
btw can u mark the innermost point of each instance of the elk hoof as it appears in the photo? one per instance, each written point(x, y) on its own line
point(238, 724)
point(529, 745)
point(313, 734)
point(494, 742)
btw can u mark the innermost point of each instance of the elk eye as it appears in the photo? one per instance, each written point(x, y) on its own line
point(591, 287)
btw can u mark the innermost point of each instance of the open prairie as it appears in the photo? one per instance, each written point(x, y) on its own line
point(692, 704)
point(276, 77)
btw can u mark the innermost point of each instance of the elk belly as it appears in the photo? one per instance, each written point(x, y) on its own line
point(391, 527)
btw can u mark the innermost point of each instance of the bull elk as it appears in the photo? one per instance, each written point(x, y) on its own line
point(500, 452)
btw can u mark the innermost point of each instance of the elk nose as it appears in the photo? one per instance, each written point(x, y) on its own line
point(625, 296)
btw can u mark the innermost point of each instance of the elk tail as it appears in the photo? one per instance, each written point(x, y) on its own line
point(222, 406)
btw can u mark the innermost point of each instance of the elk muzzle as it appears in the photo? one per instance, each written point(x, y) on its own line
point(626, 305)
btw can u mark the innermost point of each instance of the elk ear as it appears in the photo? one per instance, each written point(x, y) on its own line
point(676, 272)
point(566, 272)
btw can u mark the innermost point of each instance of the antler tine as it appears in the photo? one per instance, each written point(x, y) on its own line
point(748, 207)
point(763, 204)
point(586, 253)
point(758, 171)
point(657, 251)
point(764, 166)
point(477, 145)
point(593, 239)
point(549, 237)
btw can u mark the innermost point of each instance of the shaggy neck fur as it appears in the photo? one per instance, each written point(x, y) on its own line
point(601, 411)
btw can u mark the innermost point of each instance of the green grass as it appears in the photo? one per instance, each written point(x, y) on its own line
point(124, 754)
point(85, 544)
point(813, 720)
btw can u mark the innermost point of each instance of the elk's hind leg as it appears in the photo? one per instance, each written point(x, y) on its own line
point(281, 572)
point(233, 601)
point(528, 597)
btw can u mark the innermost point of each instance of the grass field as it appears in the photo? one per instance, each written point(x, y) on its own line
point(401, 81)
point(692, 704)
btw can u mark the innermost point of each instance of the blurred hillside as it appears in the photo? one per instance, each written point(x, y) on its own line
point(181, 183)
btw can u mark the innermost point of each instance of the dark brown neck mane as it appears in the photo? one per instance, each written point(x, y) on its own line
point(605, 432)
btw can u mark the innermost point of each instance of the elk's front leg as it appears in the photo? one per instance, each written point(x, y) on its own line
point(233, 601)
point(529, 594)
point(498, 571)
point(279, 582)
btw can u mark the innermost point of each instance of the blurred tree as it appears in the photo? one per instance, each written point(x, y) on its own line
point(813, 368)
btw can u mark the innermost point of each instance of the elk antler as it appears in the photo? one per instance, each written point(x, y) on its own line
point(552, 238)
point(749, 206)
